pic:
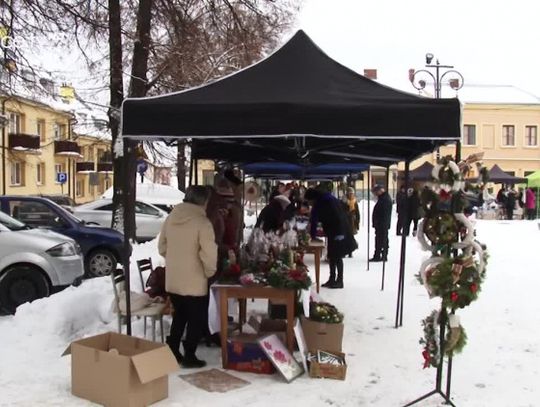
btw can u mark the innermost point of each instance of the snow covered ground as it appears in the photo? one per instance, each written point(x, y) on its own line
point(499, 366)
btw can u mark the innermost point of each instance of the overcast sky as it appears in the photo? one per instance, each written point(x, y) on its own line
point(489, 42)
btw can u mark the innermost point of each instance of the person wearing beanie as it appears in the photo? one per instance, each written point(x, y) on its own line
point(381, 217)
point(329, 211)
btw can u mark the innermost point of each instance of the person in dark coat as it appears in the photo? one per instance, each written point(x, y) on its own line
point(274, 214)
point(401, 196)
point(330, 212)
point(413, 211)
point(510, 203)
point(381, 217)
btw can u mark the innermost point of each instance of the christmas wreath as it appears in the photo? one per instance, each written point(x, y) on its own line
point(283, 276)
point(456, 270)
point(325, 312)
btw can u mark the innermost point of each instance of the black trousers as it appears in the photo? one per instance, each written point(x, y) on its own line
point(530, 213)
point(193, 312)
point(400, 223)
point(407, 228)
point(381, 243)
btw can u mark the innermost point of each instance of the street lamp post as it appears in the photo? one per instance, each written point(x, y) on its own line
point(442, 72)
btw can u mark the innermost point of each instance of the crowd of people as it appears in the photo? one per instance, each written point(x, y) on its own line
point(509, 199)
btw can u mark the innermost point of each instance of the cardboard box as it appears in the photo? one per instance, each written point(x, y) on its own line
point(329, 371)
point(320, 335)
point(245, 355)
point(119, 370)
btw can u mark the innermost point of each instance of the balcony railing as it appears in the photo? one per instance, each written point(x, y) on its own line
point(105, 167)
point(66, 147)
point(23, 142)
point(85, 166)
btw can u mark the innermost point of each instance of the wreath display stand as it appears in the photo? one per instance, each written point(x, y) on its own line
point(454, 272)
point(443, 316)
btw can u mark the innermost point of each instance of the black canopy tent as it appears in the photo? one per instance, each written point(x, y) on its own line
point(320, 110)
point(421, 173)
point(498, 176)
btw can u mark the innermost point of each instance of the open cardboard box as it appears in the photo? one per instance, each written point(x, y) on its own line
point(119, 370)
point(327, 370)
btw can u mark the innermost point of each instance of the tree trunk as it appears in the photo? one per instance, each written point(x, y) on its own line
point(117, 95)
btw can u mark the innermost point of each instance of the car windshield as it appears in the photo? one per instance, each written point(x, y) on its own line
point(11, 223)
point(66, 213)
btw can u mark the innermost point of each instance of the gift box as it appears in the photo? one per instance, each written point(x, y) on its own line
point(245, 355)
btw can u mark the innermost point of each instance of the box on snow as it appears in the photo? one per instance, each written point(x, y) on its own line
point(245, 355)
point(327, 370)
point(119, 370)
point(320, 335)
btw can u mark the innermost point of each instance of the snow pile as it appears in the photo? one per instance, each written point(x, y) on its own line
point(156, 194)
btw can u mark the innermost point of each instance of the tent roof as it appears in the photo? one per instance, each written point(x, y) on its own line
point(295, 171)
point(533, 180)
point(421, 173)
point(299, 93)
point(498, 176)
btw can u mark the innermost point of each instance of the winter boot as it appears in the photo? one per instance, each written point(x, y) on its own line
point(339, 282)
point(190, 361)
point(175, 349)
point(331, 280)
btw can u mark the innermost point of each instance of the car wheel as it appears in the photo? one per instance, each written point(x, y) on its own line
point(20, 284)
point(100, 263)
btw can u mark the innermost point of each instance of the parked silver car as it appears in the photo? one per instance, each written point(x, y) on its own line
point(33, 262)
point(148, 218)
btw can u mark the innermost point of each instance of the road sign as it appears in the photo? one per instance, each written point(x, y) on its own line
point(61, 177)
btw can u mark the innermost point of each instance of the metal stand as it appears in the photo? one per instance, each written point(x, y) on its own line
point(438, 378)
point(401, 281)
point(368, 216)
point(383, 272)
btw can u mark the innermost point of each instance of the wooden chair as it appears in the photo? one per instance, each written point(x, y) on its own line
point(153, 311)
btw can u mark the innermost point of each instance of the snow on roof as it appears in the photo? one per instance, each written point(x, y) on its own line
point(496, 94)
point(154, 193)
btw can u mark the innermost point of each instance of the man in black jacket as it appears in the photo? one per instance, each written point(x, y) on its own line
point(329, 211)
point(382, 214)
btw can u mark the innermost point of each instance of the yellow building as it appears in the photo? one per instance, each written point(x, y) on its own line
point(503, 123)
point(39, 142)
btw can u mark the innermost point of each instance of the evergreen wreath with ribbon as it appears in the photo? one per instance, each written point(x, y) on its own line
point(456, 269)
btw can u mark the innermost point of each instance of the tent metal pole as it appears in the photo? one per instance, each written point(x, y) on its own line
point(368, 212)
point(191, 171)
point(401, 281)
point(384, 261)
point(196, 171)
point(363, 209)
point(126, 244)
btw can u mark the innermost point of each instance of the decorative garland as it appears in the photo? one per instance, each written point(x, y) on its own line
point(456, 270)
point(325, 312)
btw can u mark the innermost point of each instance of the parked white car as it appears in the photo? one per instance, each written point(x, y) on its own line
point(148, 218)
point(33, 261)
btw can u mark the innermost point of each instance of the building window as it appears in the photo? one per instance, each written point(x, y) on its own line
point(40, 130)
point(469, 135)
point(531, 136)
point(40, 173)
point(17, 173)
point(59, 131)
point(15, 123)
point(90, 154)
point(79, 188)
point(527, 173)
point(508, 135)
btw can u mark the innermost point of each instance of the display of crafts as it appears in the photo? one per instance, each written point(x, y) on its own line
point(456, 269)
point(325, 312)
point(289, 271)
point(267, 259)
